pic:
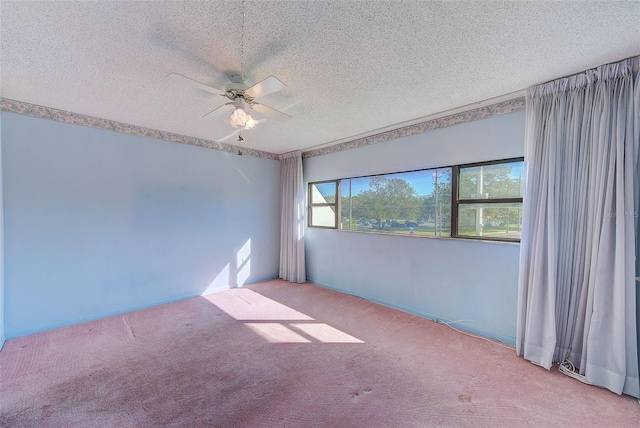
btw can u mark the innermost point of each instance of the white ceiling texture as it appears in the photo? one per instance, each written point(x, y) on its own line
point(352, 68)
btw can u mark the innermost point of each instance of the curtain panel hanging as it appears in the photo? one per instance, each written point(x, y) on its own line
point(577, 289)
point(292, 210)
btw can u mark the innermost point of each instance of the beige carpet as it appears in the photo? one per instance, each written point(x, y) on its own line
point(276, 354)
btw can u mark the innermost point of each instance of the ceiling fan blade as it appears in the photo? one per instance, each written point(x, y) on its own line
point(271, 113)
point(216, 109)
point(268, 86)
point(183, 79)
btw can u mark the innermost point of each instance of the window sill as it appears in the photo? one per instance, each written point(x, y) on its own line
point(447, 238)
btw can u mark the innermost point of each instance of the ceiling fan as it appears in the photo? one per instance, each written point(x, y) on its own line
point(242, 98)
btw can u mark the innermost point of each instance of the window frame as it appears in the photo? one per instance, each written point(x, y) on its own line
point(335, 204)
point(456, 201)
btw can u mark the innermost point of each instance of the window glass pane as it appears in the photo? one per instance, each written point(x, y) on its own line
point(503, 180)
point(436, 210)
point(490, 220)
point(346, 215)
point(323, 193)
point(415, 203)
point(323, 216)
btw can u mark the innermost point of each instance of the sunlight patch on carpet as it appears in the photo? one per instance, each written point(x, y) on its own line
point(243, 304)
point(325, 333)
point(275, 332)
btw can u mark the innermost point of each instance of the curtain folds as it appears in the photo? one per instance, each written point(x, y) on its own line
point(577, 291)
point(292, 208)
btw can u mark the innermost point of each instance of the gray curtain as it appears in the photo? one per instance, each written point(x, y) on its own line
point(292, 210)
point(577, 293)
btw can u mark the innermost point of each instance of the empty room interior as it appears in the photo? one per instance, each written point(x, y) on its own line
point(319, 213)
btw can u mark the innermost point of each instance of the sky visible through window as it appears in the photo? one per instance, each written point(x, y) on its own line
point(326, 189)
point(421, 181)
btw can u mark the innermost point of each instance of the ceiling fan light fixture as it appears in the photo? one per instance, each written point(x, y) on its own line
point(239, 118)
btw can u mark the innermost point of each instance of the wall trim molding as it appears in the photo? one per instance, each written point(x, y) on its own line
point(19, 107)
point(484, 112)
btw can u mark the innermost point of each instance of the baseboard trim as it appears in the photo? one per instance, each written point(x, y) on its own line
point(127, 309)
point(477, 331)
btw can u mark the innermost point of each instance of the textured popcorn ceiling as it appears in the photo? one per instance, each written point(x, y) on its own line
point(350, 67)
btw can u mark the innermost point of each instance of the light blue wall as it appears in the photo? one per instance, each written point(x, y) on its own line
point(437, 278)
point(98, 223)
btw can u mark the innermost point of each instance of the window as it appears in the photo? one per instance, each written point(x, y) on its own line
point(323, 204)
point(407, 203)
point(489, 200)
point(476, 201)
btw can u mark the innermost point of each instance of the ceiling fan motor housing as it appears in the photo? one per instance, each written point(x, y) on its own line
point(237, 84)
point(240, 102)
point(236, 89)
